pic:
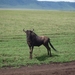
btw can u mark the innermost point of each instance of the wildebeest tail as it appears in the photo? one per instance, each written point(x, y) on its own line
point(52, 46)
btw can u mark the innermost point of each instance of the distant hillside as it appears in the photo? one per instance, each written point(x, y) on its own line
point(34, 4)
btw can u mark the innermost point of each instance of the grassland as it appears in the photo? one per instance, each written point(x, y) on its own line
point(58, 25)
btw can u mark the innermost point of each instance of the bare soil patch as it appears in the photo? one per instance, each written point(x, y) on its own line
point(51, 69)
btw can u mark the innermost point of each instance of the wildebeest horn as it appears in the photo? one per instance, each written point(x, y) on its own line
point(23, 30)
point(33, 30)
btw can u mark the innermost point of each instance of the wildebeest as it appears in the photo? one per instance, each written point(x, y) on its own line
point(35, 40)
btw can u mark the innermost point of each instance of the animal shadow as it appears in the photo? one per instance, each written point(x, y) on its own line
point(45, 57)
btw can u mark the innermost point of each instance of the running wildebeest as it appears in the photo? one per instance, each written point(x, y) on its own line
point(35, 40)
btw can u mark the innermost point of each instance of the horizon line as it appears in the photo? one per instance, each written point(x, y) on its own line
point(55, 1)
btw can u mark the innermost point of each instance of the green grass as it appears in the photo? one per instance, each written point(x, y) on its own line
point(57, 25)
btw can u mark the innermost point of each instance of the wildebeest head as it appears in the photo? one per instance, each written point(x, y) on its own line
point(29, 33)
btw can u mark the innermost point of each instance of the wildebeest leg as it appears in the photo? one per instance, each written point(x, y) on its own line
point(48, 49)
point(31, 51)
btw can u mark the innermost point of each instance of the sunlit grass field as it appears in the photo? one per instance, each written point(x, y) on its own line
point(59, 26)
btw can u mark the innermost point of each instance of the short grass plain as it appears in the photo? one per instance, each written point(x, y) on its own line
point(59, 26)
